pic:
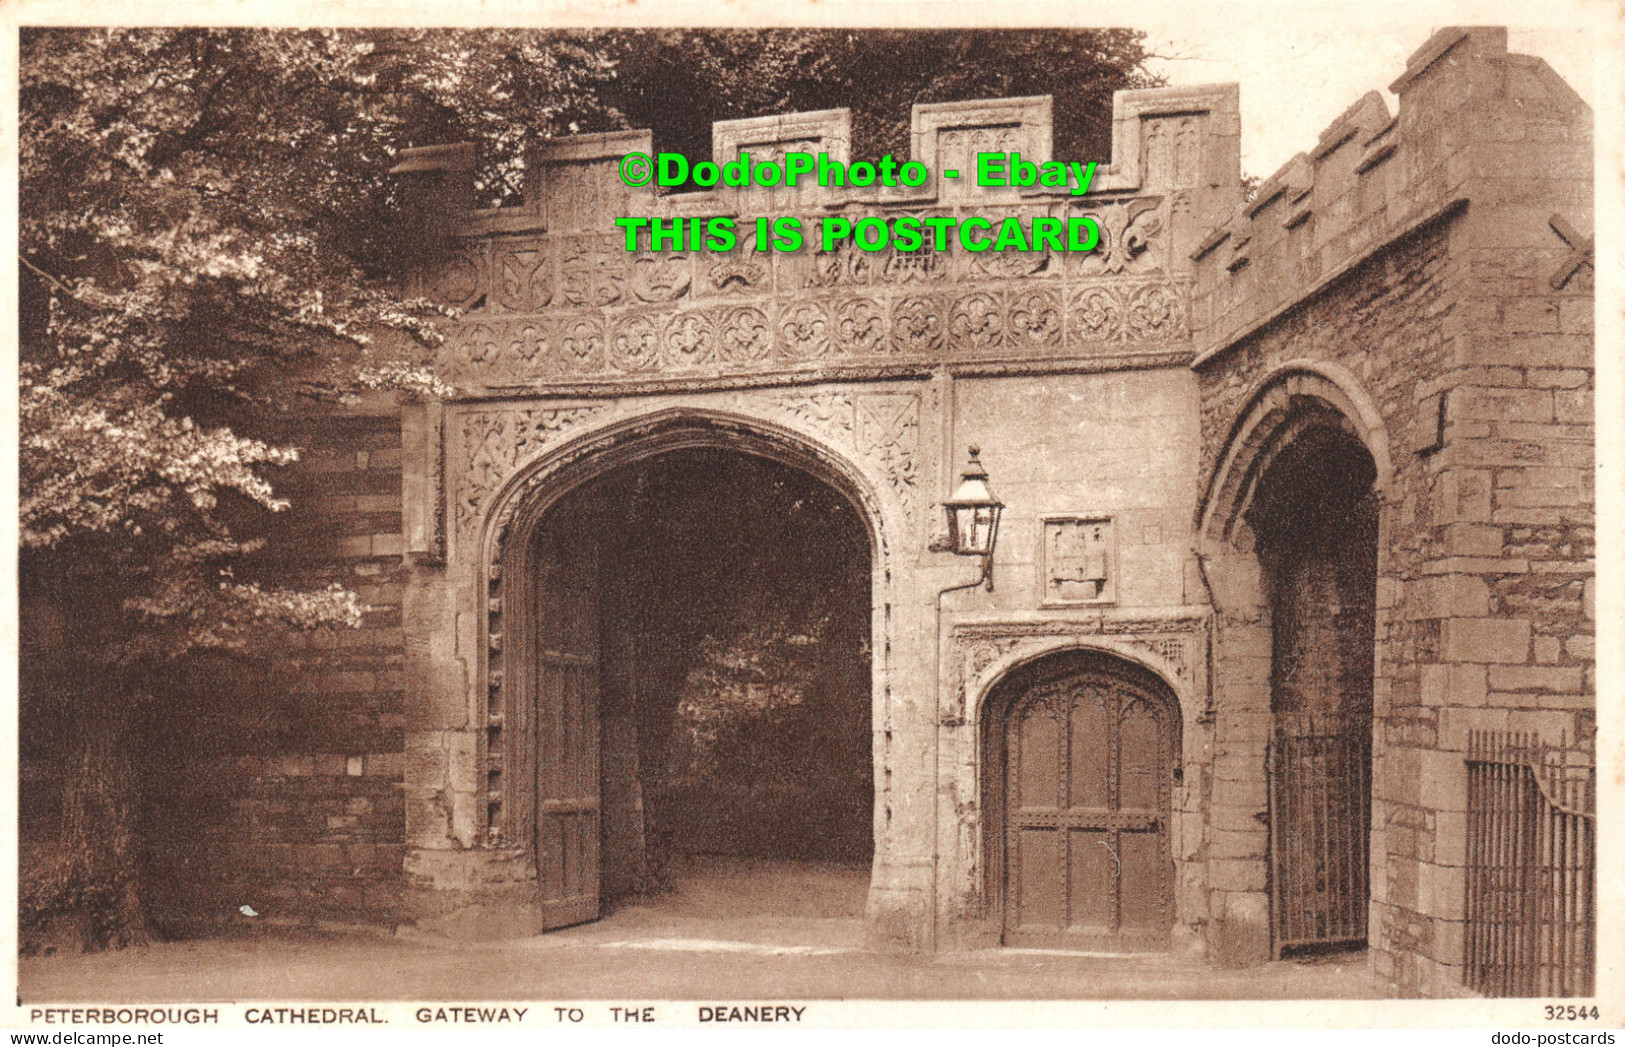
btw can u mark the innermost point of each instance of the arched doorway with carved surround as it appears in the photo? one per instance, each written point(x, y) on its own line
point(681, 678)
point(1081, 760)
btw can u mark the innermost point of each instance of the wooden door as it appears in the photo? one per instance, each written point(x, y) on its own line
point(1089, 759)
point(567, 785)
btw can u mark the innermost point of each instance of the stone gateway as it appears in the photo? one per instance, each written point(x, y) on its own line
point(1297, 503)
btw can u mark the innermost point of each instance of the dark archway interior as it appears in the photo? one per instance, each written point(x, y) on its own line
point(735, 710)
point(1315, 519)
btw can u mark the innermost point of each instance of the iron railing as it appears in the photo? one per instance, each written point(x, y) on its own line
point(1531, 867)
point(1320, 820)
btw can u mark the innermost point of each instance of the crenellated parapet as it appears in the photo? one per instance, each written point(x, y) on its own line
point(552, 301)
point(1475, 125)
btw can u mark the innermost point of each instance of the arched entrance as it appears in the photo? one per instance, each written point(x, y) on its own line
point(1314, 517)
point(1082, 750)
point(685, 677)
point(1290, 531)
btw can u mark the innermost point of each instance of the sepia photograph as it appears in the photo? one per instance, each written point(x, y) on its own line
point(707, 516)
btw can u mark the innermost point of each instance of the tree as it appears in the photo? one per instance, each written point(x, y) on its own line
point(203, 220)
point(677, 81)
point(206, 239)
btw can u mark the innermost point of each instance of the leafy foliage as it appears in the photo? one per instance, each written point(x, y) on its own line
point(677, 81)
point(203, 213)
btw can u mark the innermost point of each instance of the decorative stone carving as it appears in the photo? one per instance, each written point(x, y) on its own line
point(746, 335)
point(457, 281)
point(486, 446)
point(1132, 239)
point(804, 331)
point(581, 346)
point(1136, 313)
point(860, 325)
point(917, 326)
point(978, 323)
point(842, 266)
point(926, 265)
point(633, 344)
point(592, 271)
point(1094, 314)
point(662, 277)
point(888, 433)
point(740, 271)
point(827, 415)
point(583, 195)
point(1155, 315)
point(1176, 640)
point(1079, 557)
point(568, 309)
point(883, 429)
point(690, 340)
point(1035, 321)
point(1172, 151)
point(524, 281)
point(957, 149)
point(529, 344)
point(479, 345)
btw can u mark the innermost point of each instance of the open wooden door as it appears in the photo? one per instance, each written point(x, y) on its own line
point(568, 797)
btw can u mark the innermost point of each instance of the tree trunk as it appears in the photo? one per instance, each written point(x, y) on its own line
point(85, 893)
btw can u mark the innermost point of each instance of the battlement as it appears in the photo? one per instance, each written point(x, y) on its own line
point(1163, 139)
point(1474, 122)
point(553, 301)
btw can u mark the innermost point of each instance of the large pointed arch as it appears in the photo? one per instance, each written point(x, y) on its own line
point(1294, 396)
point(504, 689)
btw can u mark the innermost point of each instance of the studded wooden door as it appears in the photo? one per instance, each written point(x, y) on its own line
point(1089, 759)
point(567, 785)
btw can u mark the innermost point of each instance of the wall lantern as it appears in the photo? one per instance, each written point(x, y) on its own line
point(973, 518)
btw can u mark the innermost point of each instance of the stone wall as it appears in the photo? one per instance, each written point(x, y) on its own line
point(1420, 276)
point(311, 735)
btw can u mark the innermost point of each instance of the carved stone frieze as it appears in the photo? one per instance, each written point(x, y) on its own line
point(888, 433)
point(1035, 323)
point(554, 311)
point(458, 280)
point(996, 322)
point(662, 277)
point(690, 340)
point(592, 271)
point(917, 324)
point(804, 331)
point(977, 325)
point(524, 277)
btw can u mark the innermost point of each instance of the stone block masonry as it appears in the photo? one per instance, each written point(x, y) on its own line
point(1420, 259)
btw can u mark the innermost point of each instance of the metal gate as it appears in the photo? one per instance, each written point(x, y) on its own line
point(1320, 820)
point(1531, 867)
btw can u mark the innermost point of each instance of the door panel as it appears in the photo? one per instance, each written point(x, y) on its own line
point(1088, 759)
point(567, 783)
point(1040, 897)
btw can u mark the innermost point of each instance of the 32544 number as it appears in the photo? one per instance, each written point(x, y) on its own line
point(1571, 1012)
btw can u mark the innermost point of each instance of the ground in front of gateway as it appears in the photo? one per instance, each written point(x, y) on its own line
point(732, 929)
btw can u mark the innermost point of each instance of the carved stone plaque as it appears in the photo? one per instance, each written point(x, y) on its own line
point(1079, 561)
